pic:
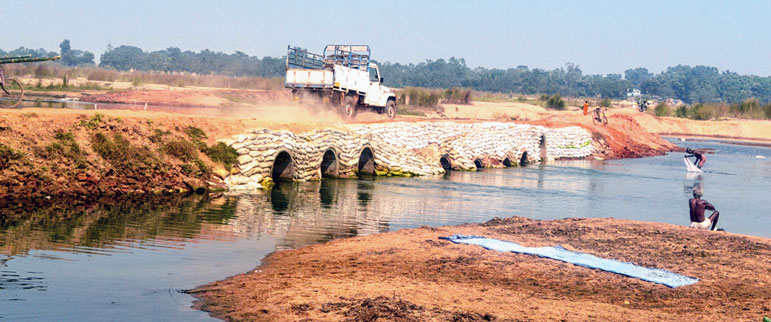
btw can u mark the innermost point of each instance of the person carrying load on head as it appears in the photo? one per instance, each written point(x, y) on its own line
point(697, 207)
point(700, 157)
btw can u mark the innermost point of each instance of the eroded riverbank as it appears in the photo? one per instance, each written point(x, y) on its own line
point(412, 275)
point(83, 154)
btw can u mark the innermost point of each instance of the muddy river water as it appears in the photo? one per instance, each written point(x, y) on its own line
point(130, 262)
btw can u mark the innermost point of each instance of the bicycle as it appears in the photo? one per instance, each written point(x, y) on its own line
point(12, 93)
point(642, 106)
point(598, 116)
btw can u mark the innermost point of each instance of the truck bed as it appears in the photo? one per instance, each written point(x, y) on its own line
point(343, 68)
point(309, 78)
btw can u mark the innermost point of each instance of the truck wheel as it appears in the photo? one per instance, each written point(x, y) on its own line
point(390, 109)
point(348, 109)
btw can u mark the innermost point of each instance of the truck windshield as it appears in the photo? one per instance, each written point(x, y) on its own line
point(373, 77)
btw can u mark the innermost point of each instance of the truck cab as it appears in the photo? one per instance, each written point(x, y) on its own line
point(377, 93)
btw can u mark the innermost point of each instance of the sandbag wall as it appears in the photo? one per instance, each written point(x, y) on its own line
point(397, 148)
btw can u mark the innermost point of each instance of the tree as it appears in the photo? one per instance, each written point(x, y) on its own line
point(72, 57)
point(637, 76)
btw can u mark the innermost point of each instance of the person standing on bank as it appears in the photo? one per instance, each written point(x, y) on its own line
point(586, 107)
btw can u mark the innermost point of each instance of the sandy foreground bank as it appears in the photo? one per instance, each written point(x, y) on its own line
point(412, 275)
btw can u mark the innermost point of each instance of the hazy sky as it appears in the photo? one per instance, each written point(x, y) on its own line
point(600, 36)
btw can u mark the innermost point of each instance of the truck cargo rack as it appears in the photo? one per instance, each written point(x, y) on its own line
point(352, 56)
point(298, 58)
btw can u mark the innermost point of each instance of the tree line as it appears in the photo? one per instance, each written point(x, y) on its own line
point(690, 84)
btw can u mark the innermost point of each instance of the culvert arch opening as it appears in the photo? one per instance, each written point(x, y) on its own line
point(478, 164)
point(329, 164)
point(444, 161)
point(523, 159)
point(367, 161)
point(283, 167)
point(506, 162)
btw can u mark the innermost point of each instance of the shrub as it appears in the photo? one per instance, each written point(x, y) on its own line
point(195, 133)
point(749, 108)
point(662, 110)
point(66, 146)
point(457, 96)
point(222, 153)
point(555, 102)
point(181, 149)
point(119, 152)
point(605, 102)
point(702, 112)
point(416, 96)
point(681, 111)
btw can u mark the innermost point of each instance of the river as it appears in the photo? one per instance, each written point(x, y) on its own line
point(129, 262)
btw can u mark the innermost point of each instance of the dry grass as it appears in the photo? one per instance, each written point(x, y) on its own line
point(178, 79)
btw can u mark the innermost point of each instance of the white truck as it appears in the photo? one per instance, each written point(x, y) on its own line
point(342, 76)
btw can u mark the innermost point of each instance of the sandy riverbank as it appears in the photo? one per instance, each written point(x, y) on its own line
point(412, 275)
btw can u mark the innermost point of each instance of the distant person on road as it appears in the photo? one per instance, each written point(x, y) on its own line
point(586, 107)
point(700, 158)
point(698, 206)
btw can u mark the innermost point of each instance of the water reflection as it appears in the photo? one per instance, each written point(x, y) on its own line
point(312, 212)
point(63, 255)
point(62, 224)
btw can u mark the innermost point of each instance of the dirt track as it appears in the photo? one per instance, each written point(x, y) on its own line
point(412, 275)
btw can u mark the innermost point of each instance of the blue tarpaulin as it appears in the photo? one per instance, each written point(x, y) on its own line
point(654, 275)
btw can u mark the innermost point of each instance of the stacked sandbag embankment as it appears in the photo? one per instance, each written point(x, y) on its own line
point(399, 148)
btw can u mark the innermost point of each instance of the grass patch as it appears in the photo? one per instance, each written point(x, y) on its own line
point(195, 133)
point(404, 110)
point(66, 146)
point(222, 153)
point(181, 149)
point(605, 102)
point(8, 156)
point(93, 122)
point(158, 136)
point(120, 153)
